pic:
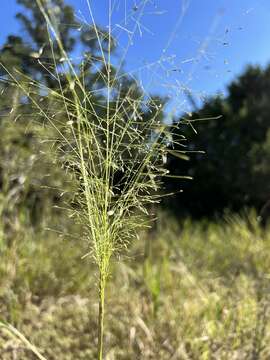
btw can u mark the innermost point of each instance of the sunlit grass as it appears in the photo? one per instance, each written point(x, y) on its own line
point(183, 300)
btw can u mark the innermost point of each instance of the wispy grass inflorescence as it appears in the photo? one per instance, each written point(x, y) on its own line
point(110, 137)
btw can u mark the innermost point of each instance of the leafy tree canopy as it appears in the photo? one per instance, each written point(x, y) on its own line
point(234, 172)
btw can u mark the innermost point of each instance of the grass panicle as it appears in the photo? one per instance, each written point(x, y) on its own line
point(109, 138)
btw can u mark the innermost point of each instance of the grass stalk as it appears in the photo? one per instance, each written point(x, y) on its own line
point(11, 330)
point(102, 287)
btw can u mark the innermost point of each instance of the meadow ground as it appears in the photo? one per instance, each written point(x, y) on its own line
point(188, 290)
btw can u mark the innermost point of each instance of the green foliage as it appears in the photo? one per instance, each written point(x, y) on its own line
point(102, 142)
point(234, 171)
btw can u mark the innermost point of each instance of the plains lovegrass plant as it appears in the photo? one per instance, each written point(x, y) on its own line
point(111, 138)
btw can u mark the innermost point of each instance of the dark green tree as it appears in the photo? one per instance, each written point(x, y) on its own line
point(234, 172)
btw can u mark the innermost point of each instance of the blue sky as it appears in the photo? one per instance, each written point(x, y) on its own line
point(179, 44)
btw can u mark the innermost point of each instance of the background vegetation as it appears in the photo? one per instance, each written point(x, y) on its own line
point(234, 171)
point(197, 285)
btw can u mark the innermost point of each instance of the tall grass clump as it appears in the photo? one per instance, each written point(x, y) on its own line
point(110, 140)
